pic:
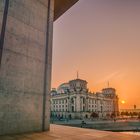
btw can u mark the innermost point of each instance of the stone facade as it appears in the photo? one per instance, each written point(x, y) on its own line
point(73, 100)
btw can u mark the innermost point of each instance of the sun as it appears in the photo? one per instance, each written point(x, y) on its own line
point(123, 102)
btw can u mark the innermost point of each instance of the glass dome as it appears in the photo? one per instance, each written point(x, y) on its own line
point(63, 88)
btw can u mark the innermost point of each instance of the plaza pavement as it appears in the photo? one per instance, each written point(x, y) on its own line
point(59, 132)
point(119, 125)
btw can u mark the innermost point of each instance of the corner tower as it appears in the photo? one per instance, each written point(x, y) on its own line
point(111, 93)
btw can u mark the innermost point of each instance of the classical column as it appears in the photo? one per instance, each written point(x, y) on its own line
point(69, 106)
point(81, 103)
point(86, 103)
point(75, 104)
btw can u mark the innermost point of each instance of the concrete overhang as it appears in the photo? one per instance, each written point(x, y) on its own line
point(61, 6)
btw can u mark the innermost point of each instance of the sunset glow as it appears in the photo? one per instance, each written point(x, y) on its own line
point(123, 102)
point(100, 39)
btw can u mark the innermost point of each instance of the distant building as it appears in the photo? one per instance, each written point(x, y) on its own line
point(73, 100)
point(130, 110)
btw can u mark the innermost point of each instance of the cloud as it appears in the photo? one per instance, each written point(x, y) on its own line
point(112, 76)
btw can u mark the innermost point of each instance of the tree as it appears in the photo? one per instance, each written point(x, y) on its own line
point(127, 113)
point(131, 114)
point(122, 113)
point(108, 115)
point(139, 116)
point(135, 114)
point(94, 115)
point(113, 115)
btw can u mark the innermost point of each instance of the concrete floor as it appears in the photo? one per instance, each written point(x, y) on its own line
point(59, 132)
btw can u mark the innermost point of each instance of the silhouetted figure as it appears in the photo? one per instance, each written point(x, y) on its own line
point(83, 123)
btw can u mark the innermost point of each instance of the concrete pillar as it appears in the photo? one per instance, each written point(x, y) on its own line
point(25, 70)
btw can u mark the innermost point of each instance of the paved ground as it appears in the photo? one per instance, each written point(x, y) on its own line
point(88, 121)
point(59, 132)
point(119, 125)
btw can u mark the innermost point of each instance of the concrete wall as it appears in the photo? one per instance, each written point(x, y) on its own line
point(23, 66)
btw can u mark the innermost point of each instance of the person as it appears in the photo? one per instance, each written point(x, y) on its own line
point(83, 123)
point(114, 119)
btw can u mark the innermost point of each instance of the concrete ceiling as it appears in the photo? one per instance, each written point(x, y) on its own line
point(61, 6)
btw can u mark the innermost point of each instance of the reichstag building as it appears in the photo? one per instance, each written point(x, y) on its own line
point(73, 100)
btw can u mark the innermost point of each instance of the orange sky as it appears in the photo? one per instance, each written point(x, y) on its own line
point(100, 39)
